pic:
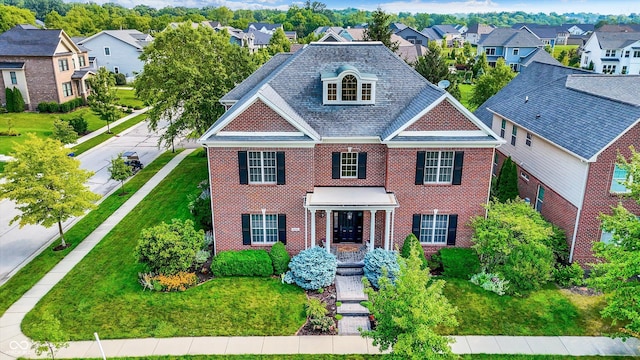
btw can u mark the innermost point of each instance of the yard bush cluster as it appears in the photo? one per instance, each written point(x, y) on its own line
point(515, 242)
point(459, 263)
point(65, 107)
point(381, 263)
point(569, 275)
point(79, 124)
point(200, 206)
point(312, 269)
point(316, 311)
point(411, 241)
point(120, 78)
point(491, 282)
point(242, 263)
point(168, 283)
point(280, 258)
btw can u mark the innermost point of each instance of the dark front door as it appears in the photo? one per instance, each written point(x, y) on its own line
point(347, 226)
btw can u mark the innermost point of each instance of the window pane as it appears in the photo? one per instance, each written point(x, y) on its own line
point(349, 165)
point(446, 166)
point(255, 166)
point(441, 226)
point(619, 175)
point(366, 91)
point(256, 228)
point(426, 228)
point(332, 91)
point(272, 228)
point(262, 166)
point(349, 88)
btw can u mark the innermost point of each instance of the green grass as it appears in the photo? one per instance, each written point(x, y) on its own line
point(2, 164)
point(105, 296)
point(547, 312)
point(128, 98)
point(40, 124)
point(29, 275)
point(558, 49)
point(85, 146)
point(465, 93)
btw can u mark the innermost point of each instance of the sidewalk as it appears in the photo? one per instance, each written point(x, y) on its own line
point(103, 129)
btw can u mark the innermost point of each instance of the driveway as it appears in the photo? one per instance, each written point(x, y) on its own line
point(18, 245)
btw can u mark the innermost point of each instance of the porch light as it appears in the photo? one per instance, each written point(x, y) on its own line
point(349, 215)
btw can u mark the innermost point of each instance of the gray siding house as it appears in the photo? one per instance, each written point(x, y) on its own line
point(118, 50)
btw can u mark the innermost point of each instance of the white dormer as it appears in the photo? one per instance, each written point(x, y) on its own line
point(348, 86)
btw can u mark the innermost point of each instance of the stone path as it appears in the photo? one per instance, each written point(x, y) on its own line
point(350, 292)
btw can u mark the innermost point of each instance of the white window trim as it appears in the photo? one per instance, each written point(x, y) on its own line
point(538, 200)
point(262, 167)
point(433, 228)
point(106, 48)
point(503, 128)
point(524, 176)
point(617, 181)
point(64, 89)
point(529, 139)
point(342, 165)
point(13, 77)
point(338, 82)
point(264, 241)
point(116, 70)
point(514, 135)
point(453, 155)
point(516, 51)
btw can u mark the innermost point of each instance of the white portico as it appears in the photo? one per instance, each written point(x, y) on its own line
point(342, 208)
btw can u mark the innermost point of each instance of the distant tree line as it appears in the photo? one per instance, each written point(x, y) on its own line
point(80, 19)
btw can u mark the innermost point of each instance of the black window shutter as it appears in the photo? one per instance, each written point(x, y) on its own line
point(451, 231)
point(280, 168)
point(246, 229)
point(243, 168)
point(362, 165)
point(335, 165)
point(415, 228)
point(282, 228)
point(420, 167)
point(458, 159)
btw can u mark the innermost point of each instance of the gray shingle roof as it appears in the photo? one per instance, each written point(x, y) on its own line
point(260, 38)
point(11, 65)
point(400, 91)
point(29, 41)
point(510, 38)
point(132, 37)
point(616, 40)
point(590, 120)
point(431, 34)
point(539, 55)
point(255, 78)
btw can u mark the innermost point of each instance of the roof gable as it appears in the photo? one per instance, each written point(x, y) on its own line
point(443, 117)
point(510, 38)
point(259, 117)
point(131, 37)
point(29, 41)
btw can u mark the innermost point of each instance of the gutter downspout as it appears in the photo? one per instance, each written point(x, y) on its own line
point(213, 227)
point(575, 227)
point(486, 208)
point(306, 232)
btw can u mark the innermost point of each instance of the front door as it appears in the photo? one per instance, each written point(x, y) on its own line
point(347, 226)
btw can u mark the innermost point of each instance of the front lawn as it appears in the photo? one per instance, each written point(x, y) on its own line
point(547, 312)
point(102, 292)
point(465, 94)
point(40, 124)
point(29, 275)
point(127, 97)
point(115, 130)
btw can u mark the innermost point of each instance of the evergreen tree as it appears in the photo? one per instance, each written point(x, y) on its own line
point(378, 30)
point(412, 242)
point(18, 101)
point(8, 94)
point(507, 182)
point(64, 132)
point(432, 65)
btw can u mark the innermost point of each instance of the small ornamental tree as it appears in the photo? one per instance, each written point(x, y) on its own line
point(103, 98)
point(410, 242)
point(48, 337)
point(119, 170)
point(491, 82)
point(409, 311)
point(168, 249)
point(63, 132)
point(280, 258)
point(18, 100)
point(507, 181)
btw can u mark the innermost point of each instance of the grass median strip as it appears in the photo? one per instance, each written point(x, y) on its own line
point(29, 275)
point(85, 146)
point(105, 295)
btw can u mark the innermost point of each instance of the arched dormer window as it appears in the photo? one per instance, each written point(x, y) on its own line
point(348, 86)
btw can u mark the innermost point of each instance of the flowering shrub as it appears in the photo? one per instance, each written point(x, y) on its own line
point(379, 259)
point(491, 282)
point(178, 282)
point(312, 269)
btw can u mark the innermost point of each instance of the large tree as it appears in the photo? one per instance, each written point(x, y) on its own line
point(46, 184)
point(187, 70)
point(618, 272)
point(11, 16)
point(408, 312)
point(279, 42)
point(378, 30)
point(433, 67)
point(103, 96)
point(491, 82)
point(506, 187)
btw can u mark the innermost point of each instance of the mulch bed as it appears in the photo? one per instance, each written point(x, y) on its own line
point(583, 290)
point(329, 297)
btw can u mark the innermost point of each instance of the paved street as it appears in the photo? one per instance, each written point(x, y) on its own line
point(18, 245)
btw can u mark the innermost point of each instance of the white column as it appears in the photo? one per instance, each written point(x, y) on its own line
point(313, 227)
point(328, 232)
point(372, 230)
point(387, 228)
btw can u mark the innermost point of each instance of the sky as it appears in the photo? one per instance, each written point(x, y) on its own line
point(615, 7)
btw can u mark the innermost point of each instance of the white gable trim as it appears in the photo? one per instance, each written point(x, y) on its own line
point(595, 157)
point(465, 133)
point(415, 118)
point(442, 144)
point(351, 140)
point(259, 133)
point(258, 144)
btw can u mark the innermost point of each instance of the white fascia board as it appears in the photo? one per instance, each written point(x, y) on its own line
point(542, 137)
point(232, 114)
point(595, 157)
point(415, 118)
point(466, 133)
point(258, 144)
point(442, 144)
point(259, 133)
point(351, 140)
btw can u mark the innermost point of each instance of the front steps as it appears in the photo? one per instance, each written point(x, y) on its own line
point(350, 292)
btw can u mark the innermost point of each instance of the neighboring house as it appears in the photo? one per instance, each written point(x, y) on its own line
point(516, 46)
point(236, 36)
point(450, 33)
point(292, 36)
point(612, 53)
point(567, 155)
point(474, 32)
point(619, 28)
point(44, 64)
point(431, 34)
point(265, 28)
point(579, 29)
point(397, 26)
point(118, 50)
point(413, 36)
point(260, 39)
point(343, 142)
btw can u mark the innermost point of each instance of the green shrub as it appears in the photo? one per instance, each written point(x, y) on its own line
point(324, 324)
point(79, 124)
point(43, 107)
point(316, 308)
point(200, 208)
point(312, 269)
point(569, 275)
point(491, 282)
point(558, 243)
point(65, 107)
point(201, 257)
point(380, 262)
point(435, 262)
point(412, 241)
point(53, 107)
point(459, 263)
point(168, 249)
point(242, 263)
point(121, 79)
point(8, 93)
point(280, 258)
point(18, 100)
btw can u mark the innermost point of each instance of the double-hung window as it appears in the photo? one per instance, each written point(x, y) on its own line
point(514, 135)
point(14, 78)
point(490, 51)
point(348, 165)
point(63, 65)
point(539, 198)
point(81, 61)
point(610, 53)
point(529, 138)
point(262, 167)
point(503, 128)
point(438, 167)
point(67, 89)
point(107, 51)
point(618, 180)
point(264, 228)
point(433, 229)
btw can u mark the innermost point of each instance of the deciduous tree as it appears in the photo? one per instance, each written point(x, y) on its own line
point(279, 42)
point(11, 16)
point(408, 311)
point(103, 99)
point(48, 336)
point(64, 132)
point(491, 82)
point(119, 170)
point(618, 272)
point(46, 184)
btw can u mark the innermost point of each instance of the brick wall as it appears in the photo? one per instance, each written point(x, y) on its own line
point(376, 164)
point(598, 199)
point(443, 116)
point(39, 72)
point(259, 117)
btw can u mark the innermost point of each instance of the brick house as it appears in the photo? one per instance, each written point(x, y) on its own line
point(44, 64)
point(564, 128)
point(345, 143)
